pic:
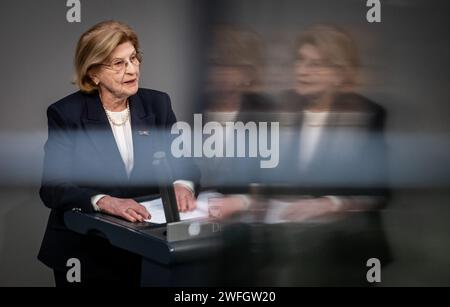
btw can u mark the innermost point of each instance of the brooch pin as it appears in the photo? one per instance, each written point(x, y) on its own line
point(144, 132)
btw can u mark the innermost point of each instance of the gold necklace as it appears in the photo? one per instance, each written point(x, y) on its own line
point(127, 116)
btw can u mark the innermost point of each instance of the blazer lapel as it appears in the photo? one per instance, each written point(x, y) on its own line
point(144, 135)
point(326, 141)
point(99, 131)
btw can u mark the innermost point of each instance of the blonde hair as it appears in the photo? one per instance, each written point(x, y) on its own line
point(95, 47)
point(233, 46)
point(336, 46)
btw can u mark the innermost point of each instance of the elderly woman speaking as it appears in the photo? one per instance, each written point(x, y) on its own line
point(98, 155)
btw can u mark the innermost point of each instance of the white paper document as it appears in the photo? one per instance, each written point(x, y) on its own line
point(275, 210)
point(155, 208)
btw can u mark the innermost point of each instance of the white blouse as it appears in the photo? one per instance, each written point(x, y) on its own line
point(124, 139)
point(313, 125)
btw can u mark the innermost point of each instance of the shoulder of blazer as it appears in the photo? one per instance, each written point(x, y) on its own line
point(154, 102)
point(146, 92)
point(357, 102)
point(150, 96)
point(70, 102)
point(73, 105)
point(68, 108)
point(291, 101)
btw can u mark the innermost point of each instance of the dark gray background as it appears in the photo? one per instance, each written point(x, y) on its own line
point(406, 57)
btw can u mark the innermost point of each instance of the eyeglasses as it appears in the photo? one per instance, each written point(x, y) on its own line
point(315, 65)
point(119, 65)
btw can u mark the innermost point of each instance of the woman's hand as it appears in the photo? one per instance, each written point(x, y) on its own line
point(308, 209)
point(224, 207)
point(127, 209)
point(185, 198)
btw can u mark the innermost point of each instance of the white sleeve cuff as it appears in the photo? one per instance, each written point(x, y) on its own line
point(187, 184)
point(337, 202)
point(95, 199)
point(246, 200)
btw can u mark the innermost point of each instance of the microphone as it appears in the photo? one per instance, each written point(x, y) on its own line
point(166, 189)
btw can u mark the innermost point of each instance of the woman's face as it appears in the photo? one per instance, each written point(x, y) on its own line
point(314, 76)
point(227, 79)
point(119, 77)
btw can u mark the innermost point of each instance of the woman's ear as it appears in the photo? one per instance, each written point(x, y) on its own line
point(95, 80)
point(94, 77)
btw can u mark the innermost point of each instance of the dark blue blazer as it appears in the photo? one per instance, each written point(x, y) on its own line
point(82, 160)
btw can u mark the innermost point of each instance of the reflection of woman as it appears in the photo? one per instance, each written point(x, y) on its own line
point(332, 148)
point(334, 122)
point(232, 94)
point(339, 145)
point(97, 154)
